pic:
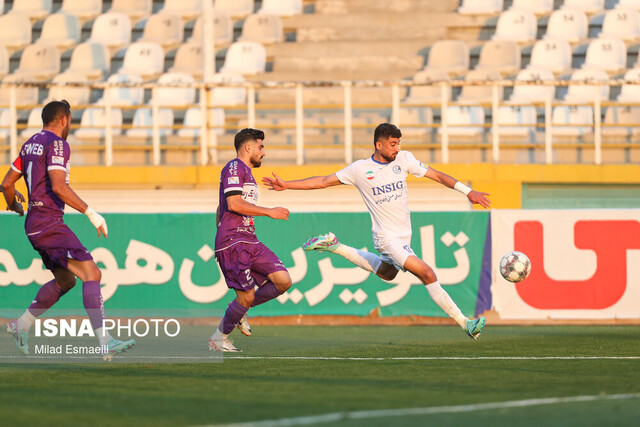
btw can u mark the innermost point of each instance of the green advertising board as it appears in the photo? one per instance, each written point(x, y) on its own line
point(166, 261)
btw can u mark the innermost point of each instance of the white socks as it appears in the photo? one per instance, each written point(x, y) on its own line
point(26, 321)
point(103, 336)
point(365, 260)
point(444, 301)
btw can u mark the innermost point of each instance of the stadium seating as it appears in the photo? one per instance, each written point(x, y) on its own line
point(34, 123)
point(4, 61)
point(236, 9)
point(193, 121)
point(472, 94)
point(84, 10)
point(281, 7)
point(538, 7)
point(586, 93)
point(569, 25)
point(15, 31)
point(480, 7)
point(451, 56)
point(187, 10)
point(142, 126)
point(618, 117)
point(91, 59)
point(228, 96)
point(552, 55)
point(525, 94)
point(188, 59)
point(502, 56)
point(34, 9)
point(587, 6)
point(112, 29)
point(123, 96)
point(39, 62)
point(245, 58)
point(5, 123)
point(628, 4)
point(516, 25)
point(61, 30)
point(621, 24)
point(178, 96)
point(431, 94)
point(264, 29)
point(608, 54)
point(77, 95)
point(166, 29)
point(517, 122)
point(93, 121)
point(630, 92)
point(415, 116)
point(465, 121)
point(573, 116)
point(25, 95)
point(145, 59)
point(222, 28)
point(135, 9)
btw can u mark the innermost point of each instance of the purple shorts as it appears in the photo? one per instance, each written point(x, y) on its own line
point(245, 265)
point(57, 244)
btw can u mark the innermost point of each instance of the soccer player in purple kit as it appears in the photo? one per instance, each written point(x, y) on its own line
point(44, 163)
point(244, 260)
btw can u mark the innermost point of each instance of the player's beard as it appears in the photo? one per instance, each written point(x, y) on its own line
point(65, 131)
point(389, 158)
point(257, 162)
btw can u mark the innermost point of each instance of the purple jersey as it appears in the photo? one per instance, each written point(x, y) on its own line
point(43, 152)
point(236, 179)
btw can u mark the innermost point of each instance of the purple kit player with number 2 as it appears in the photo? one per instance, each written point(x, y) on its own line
point(244, 260)
point(44, 163)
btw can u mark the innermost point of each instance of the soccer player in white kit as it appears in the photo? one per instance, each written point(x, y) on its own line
point(382, 182)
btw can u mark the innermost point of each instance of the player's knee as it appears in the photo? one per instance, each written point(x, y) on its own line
point(387, 275)
point(428, 275)
point(66, 284)
point(246, 300)
point(284, 284)
point(94, 274)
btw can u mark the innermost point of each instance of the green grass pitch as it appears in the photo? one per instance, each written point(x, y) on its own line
point(314, 372)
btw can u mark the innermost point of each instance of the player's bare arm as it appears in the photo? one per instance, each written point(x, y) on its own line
point(312, 183)
point(475, 197)
point(69, 197)
point(240, 206)
point(11, 195)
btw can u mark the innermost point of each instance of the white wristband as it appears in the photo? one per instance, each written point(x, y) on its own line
point(462, 188)
point(96, 219)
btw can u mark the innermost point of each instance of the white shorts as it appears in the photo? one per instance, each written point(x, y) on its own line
point(395, 252)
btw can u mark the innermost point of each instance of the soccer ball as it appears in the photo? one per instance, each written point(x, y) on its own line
point(515, 266)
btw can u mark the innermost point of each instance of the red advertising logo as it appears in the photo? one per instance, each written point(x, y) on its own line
point(608, 239)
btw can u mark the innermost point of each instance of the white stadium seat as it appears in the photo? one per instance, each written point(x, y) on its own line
point(91, 59)
point(608, 54)
point(620, 116)
point(415, 116)
point(573, 116)
point(142, 126)
point(628, 4)
point(235, 8)
point(5, 123)
point(245, 58)
point(465, 121)
point(123, 96)
point(193, 121)
point(502, 56)
point(112, 30)
point(85, 10)
point(188, 59)
point(15, 31)
point(588, 93)
point(525, 94)
point(517, 122)
point(178, 96)
point(166, 29)
point(61, 30)
point(265, 29)
point(480, 7)
point(135, 9)
point(93, 121)
point(552, 55)
point(516, 25)
point(76, 95)
point(143, 58)
point(25, 95)
point(187, 10)
point(39, 61)
point(569, 25)
point(472, 94)
point(539, 7)
point(621, 24)
point(630, 92)
point(222, 29)
point(451, 56)
point(587, 6)
point(431, 94)
point(228, 96)
point(34, 9)
point(281, 7)
point(34, 123)
point(4, 61)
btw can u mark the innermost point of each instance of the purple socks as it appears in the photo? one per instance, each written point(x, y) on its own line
point(232, 317)
point(267, 292)
point(47, 295)
point(92, 299)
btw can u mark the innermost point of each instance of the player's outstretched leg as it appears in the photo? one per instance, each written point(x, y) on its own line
point(473, 327)
point(220, 341)
point(329, 242)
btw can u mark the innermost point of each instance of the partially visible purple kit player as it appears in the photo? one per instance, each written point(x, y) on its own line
point(44, 163)
point(244, 260)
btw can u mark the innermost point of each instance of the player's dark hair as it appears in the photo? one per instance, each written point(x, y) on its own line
point(386, 131)
point(246, 135)
point(55, 110)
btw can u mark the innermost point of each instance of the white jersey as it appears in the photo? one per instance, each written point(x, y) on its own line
point(383, 187)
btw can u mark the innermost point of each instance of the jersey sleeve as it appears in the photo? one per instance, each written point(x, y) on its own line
point(347, 175)
point(414, 166)
point(17, 165)
point(232, 180)
point(58, 155)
